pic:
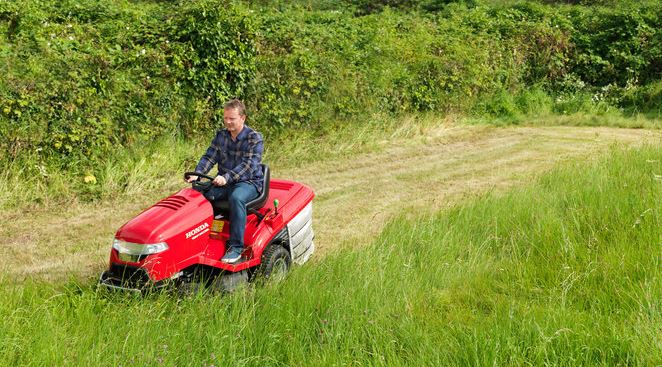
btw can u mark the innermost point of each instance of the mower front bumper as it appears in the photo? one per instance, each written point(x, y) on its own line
point(128, 278)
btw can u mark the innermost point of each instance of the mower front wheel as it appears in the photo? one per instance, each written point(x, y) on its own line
point(276, 263)
point(190, 289)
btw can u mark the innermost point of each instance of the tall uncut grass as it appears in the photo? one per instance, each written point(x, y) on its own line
point(565, 271)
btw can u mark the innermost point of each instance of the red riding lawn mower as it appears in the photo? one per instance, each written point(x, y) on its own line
point(179, 241)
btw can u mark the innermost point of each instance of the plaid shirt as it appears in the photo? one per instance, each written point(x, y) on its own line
point(238, 160)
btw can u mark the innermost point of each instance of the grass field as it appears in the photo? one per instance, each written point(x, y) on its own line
point(147, 168)
point(374, 175)
point(563, 271)
point(488, 178)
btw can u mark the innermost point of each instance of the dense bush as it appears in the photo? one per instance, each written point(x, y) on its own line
point(219, 49)
point(82, 78)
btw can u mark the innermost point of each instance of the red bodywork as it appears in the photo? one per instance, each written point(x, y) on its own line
point(184, 221)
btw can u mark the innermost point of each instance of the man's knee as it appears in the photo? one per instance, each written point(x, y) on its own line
point(236, 199)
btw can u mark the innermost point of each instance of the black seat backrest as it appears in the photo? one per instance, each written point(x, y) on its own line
point(261, 199)
point(223, 207)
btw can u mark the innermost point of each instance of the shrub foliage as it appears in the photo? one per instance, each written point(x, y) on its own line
point(83, 78)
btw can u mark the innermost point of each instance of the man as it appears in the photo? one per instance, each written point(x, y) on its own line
point(238, 151)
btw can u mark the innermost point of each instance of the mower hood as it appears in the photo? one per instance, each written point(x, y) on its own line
point(184, 214)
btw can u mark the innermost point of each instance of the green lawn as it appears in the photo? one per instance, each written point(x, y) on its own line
point(565, 271)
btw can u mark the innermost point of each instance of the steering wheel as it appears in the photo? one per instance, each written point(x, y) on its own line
point(200, 185)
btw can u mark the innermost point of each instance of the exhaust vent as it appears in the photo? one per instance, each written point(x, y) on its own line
point(173, 202)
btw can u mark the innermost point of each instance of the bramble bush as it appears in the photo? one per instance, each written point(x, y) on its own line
point(219, 48)
point(83, 78)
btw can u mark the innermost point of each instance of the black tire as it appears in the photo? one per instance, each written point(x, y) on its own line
point(193, 282)
point(276, 263)
point(190, 289)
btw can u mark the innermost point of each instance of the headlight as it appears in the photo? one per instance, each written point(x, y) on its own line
point(130, 248)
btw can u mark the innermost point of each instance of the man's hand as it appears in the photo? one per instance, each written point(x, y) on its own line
point(191, 178)
point(219, 181)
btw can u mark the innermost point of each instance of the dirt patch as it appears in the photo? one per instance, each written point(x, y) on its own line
point(356, 195)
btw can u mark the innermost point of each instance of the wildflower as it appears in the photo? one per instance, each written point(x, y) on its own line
point(90, 179)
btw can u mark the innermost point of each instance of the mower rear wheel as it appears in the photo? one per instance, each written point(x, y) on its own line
point(276, 263)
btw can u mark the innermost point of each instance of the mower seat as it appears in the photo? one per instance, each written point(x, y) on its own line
point(222, 207)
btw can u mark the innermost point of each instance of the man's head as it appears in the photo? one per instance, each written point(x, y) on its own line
point(234, 116)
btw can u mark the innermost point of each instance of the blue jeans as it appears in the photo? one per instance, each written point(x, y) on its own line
point(237, 195)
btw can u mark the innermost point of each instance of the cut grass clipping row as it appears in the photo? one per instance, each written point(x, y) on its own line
point(565, 271)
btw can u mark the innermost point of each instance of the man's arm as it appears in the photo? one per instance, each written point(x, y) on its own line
point(208, 160)
point(250, 159)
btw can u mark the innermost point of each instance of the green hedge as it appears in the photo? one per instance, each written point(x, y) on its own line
point(82, 78)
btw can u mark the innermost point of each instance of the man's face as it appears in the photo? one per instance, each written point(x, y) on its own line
point(233, 121)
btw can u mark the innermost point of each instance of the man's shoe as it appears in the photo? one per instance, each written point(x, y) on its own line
point(232, 256)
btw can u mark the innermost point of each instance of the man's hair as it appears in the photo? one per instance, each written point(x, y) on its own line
point(237, 105)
